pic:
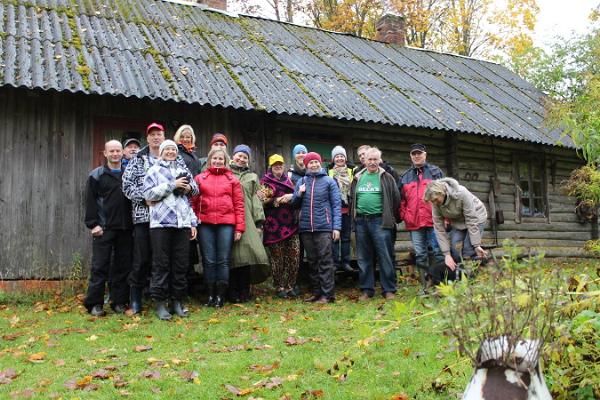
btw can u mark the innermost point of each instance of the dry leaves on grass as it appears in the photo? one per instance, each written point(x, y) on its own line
point(7, 376)
point(401, 396)
point(141, 348)
point(312, 394)
point(37, 357)
point(190, 376)
point(84, 384)
point(23, 394)
point(294, 341)
point(150, 374)
point(264, 369)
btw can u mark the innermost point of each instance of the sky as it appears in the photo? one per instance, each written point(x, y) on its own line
point(560, 17)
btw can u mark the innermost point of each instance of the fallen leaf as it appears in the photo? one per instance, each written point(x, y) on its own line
point(92, 338)
point(101, 374)
point(141, 348)
point(37, 357)
point(293, 341)
point(190, 376)
point(118, 382)
point(150, 374)
point(155, 390)
point(7, 376)
point(311, 394)
point(264, 368)
point(401, 396)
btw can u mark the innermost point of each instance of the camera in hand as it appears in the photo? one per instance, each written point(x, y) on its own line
point(179, 191)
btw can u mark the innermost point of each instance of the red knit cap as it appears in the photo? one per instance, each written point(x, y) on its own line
point(218, 137)
point(311, 156)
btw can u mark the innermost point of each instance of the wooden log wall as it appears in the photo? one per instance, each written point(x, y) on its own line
point(47, 151)
point(461, 156)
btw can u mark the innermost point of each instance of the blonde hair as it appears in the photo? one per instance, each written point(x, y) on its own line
point(215, 151)
point(362, 147)
point(180, 131)
point(435, 189)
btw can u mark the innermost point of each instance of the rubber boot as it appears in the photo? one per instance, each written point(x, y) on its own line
point(423, 280)
point(135, 299)
point(212, 299)
point(221, 293)
point(178, 309)
point(161, 310)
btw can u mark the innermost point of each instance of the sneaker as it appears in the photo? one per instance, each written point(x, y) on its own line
point(97, 311)
point(119, 308)
point(364, 297)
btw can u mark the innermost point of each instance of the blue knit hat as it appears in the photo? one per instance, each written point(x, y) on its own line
point(298, 148)
point(242, 148)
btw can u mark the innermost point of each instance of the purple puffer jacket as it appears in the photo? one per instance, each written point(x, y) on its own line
point(280, 222)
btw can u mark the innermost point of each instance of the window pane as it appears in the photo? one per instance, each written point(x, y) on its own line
point(524, 188)
point(539, 207)
point(537, 188)
point(525, 207)
point(523, 171)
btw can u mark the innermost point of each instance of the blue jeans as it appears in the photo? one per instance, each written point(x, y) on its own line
point(216, 242)
point(462, 236)
point(421, 240)
point(343, 243)
point(370, 238)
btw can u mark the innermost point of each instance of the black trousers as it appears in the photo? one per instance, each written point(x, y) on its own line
point(111, 262)
point(142, 256)
point(320, 262)
point(170, 260)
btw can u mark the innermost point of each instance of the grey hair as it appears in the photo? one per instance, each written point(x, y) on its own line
point(435, 189)
point(180, 131)
point(363, 147)
point(374, 150)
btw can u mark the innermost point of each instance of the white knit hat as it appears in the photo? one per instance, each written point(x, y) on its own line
point(165, 144)
point(338, 150)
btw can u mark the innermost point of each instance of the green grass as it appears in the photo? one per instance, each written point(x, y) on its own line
point(221, 346)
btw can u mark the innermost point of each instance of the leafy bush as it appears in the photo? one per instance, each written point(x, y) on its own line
point(516, 302)
point(574, 363)
point(584, 184)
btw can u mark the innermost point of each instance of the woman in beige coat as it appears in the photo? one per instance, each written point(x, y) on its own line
point(453, 203)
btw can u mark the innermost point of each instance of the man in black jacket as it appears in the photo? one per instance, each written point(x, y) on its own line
point(108, 217)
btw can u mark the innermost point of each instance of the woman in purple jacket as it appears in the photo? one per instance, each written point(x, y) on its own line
point(280, 227)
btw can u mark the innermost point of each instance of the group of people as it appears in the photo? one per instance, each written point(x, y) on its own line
point(149, 210)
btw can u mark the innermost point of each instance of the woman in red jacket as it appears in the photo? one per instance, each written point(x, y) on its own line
point(220, 211)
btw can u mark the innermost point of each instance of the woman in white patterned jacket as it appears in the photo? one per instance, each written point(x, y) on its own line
point(172, 226)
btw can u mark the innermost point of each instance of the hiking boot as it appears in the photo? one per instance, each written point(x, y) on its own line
point(97, 311)
point(364, 296)
point(221, 292)
point(119, 308)
point(212, 299)
point(312, 299)
point(178, 309)
point(135, 299)
point(389, 296)
point(161, 311)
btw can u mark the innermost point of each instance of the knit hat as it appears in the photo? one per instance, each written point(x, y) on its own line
point(338, 150)
point(311, 156)
point(218, 137)
point(275, 158)
point(165, 144)
point(297, 149)
point(242, 148)
point(154, 125)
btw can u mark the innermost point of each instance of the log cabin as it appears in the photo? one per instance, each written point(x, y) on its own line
point(76, 73)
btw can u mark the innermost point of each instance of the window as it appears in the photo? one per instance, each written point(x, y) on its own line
point(108, 128)
point(532, 187)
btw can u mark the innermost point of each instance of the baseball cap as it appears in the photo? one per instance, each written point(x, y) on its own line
point(275, 158)
point(417, 147)
point(154, 125)
point(127, 142)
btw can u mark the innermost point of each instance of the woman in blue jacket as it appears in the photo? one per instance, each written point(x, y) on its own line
point(320, 222)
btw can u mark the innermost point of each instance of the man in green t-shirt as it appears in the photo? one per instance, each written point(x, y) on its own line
point(374, 203)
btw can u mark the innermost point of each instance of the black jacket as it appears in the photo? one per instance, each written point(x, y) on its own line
point(105, 203)
point(191, 160)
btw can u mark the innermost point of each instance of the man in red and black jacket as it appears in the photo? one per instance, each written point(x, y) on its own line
point(415, 212)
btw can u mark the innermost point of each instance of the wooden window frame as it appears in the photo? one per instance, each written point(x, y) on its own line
point(532, 161)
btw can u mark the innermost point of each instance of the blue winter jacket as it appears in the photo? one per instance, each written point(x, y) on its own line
point(320, 205)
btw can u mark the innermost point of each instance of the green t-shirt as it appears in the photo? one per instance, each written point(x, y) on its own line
point(368, 194)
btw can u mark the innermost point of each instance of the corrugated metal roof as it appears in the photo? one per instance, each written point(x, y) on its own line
point(164, 50)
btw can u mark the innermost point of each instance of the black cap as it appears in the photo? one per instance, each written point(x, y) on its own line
point(131, 140)
point(417, 146)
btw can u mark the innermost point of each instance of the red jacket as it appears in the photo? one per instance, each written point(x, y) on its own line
point(415, 212)
point(220, 200)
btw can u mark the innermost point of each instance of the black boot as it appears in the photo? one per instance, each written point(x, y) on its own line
point(161, 310)
point(221, 293)
point(178, 308)
point(212, 300)
point(135, 299)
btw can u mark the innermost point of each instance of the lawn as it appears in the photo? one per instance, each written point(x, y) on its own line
point(269, 349)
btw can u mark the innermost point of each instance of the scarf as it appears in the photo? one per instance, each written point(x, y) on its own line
point(340, 174)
